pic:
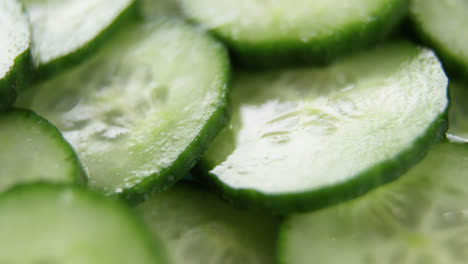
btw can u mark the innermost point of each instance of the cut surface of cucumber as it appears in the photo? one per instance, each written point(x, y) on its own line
point(64, 31)
point(309, 137)
point(458, 114)
point(14, 44)
point(443, 24)
point(266, 32)
point(32, 149)
point(59, 224)
point(197, 227)
point(142, 111)
point(421, 218)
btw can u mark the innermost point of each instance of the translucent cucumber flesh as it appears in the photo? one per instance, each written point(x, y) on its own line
point(458, 115)
point(290, 129)
point(14, 34)
point(197, 227)
point(60, 27)
point(135, 107)
point(444, 22)
point(421, 218)
point(68, 225)
point(33, 150)
point(272, 21)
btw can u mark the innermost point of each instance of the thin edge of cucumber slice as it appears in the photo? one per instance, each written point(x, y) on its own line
point(57, 65)
point(351, 39)
point(79, 175)
point(128, 212)
point(16, 79)
point(377, 175)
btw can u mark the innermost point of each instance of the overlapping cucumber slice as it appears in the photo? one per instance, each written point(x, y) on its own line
point(304, 138)
point(32, 150)
point(197, 227)
point(458, 117)
point(421, 218)
point(443, 25)
point(14, 48)
point(66, 32)
point(42, 223)
point(142, 111)
point(269, 33)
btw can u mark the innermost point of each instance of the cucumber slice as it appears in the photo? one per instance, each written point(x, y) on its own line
point(197, 227)
point(420, 218)
point(153, 8)
point(33, 149)
point(64, 32)
point(443, 25)
point(458, 115)
point(52, 224)
point(301, 139)
point(288, 31)
point(14, 48)
point(141, 112)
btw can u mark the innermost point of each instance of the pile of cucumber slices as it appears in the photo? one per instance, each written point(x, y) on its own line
point(234, 131)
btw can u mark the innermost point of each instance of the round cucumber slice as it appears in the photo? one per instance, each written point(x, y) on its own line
point(287, 31)
point(421, 218)
point(142, 111)
point(197, 227)
point(34, 150)
point(64, 32)
point(458, 115)
point(14, 48)
point(43, 223)
point(305, 138)
point(443, 25)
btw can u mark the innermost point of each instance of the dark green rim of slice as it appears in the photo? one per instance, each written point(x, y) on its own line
point(44, 71)
point(375, 176)
point(352, 39)
point(16, 79)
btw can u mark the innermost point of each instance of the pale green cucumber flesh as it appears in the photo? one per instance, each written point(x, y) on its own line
point(14, 36)
point(43, 223)
point(65, 31)
point(458, 115)
point(421, 218)
point(32, 150)
point(284, 30)
point(140, 113)
point(197, 227)
point(443, 25)
point(309, 137)
point(152, 8)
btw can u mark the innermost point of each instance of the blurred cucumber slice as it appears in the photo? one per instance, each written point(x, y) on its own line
point(421, 218)
point(443, 24)
point(458, 115)
point(197, 227)
point(32, 150)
